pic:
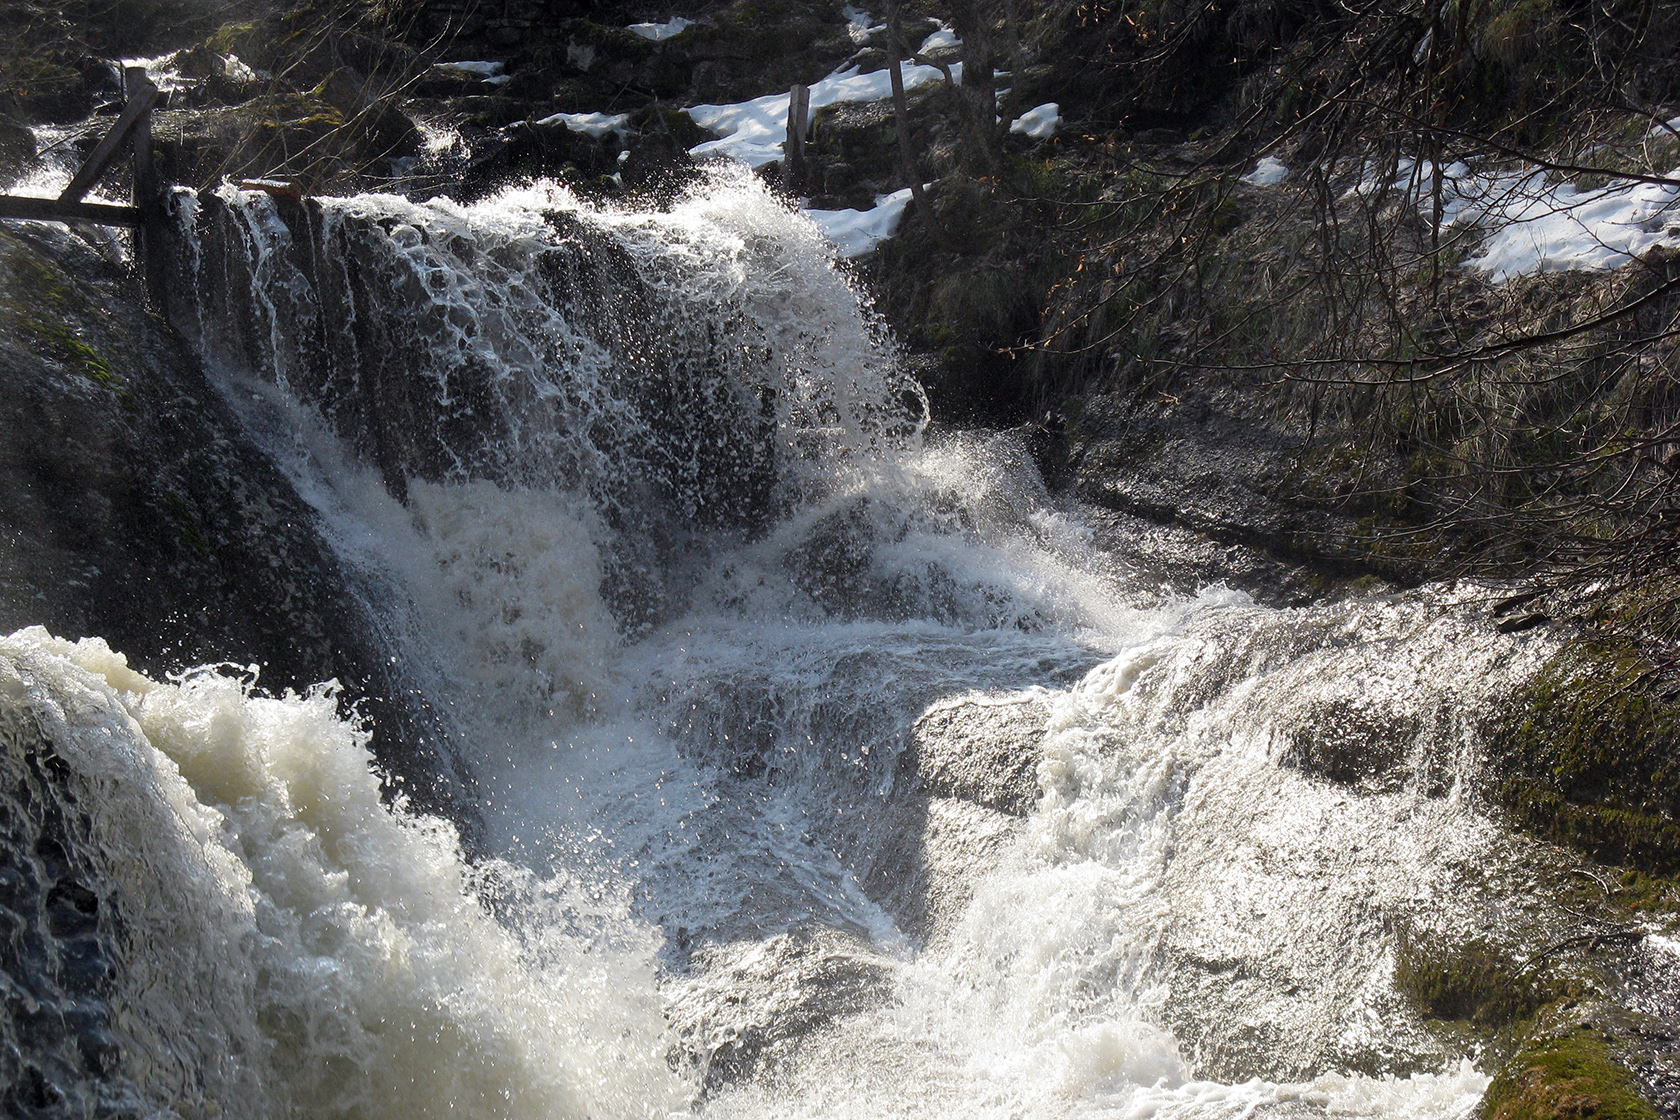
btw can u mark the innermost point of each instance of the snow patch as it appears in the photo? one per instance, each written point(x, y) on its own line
point(1668, 128)
point(858, 26)
point(659, 32)
point(940, 40)
point(1269, 172)
point(592, 124)
point(1039, 122)
point(239, 71)
point(856, 232)
point(1532, 224)
point(754, 131)
point(490, 72)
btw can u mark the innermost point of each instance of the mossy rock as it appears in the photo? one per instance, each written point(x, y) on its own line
point(1570, 1077)
point(1587, 758)
point(38, 310)
point(234, 38)
point(854, 143)
point(754, 45)
point(1475, 983)
point(673, 125)
point(298, 136)
point(56, 86)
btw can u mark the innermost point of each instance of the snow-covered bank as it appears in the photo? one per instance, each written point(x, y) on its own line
point(755, 131)
point(1529, 222)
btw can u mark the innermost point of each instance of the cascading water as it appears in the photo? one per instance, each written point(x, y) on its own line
point(825, 769)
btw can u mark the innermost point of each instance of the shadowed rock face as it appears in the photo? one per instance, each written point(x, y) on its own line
point(132, 507)
point(59, 948)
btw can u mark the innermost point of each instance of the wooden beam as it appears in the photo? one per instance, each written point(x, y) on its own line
point(57, 210)
point(274, 188)
point(142, 97)
point(798, 122)
point(148, 194)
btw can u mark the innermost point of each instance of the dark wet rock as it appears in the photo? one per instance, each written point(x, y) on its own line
point(1185, 561)
point(132, 507)
point(305, 138)
point(970, 774)
point(1354, 741)
point(1211, 463)
point(924, 876)
point(1517, 623)
point(536, 148)
point(60, 943)
point(17, 150)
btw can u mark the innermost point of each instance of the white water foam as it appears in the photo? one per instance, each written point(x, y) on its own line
point(297, 948)
point(1189, 924)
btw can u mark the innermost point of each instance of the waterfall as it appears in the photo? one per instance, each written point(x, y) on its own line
point(826, 765)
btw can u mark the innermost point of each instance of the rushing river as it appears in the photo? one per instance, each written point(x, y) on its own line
point(819, 764)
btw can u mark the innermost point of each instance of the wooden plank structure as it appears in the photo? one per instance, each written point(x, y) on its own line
point(798, 125)
point(56, 210)
point(148, 213)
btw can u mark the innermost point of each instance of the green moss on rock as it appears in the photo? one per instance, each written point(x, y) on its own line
point(1574, 1076)
point(37, 308)
point(1587, 756)
point(1475, 982)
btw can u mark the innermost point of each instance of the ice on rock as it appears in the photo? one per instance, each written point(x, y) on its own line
point(592, 124)
point(490, 72)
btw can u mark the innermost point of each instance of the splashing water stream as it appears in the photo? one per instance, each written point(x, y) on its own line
point(826, 768)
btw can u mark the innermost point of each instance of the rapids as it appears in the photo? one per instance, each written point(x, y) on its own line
point(824, 766)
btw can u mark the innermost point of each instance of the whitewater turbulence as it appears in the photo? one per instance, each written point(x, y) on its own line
point(820, 765)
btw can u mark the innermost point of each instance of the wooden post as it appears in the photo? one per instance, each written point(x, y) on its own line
point(799, 120)
point(136, 113)
point(148, 216)
point(149, 243)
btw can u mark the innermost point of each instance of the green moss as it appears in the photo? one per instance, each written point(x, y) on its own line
point(674, 123)
point(1574, 1076)
point(56, 340)
point(1517, 32)
point(612, 42)
point(1641, 893)
point(232, 38)
point(37, 304)
point(299, 110)
point(1587, 751)
point(1474, 982)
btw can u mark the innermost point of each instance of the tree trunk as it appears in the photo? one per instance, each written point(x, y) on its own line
point(975, 24)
